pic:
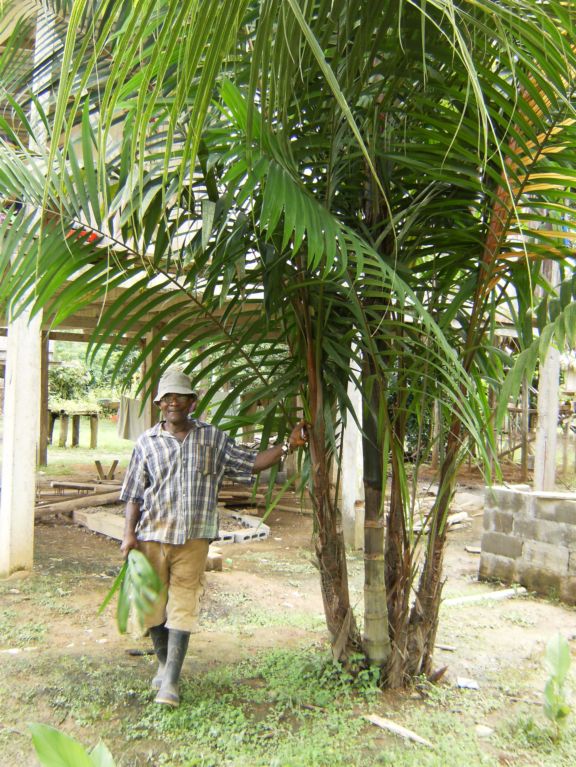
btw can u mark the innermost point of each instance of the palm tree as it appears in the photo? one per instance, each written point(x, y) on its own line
point(355, 179)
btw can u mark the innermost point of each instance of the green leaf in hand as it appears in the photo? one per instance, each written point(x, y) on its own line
point(138, 586)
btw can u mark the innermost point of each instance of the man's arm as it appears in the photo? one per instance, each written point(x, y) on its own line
point(298, 438)
point(132, 517)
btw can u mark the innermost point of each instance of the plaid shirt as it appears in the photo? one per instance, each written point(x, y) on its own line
point(176, 483)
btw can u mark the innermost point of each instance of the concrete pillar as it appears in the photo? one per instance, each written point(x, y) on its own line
point(22, 396)
point(21, 431)
point(548, 405)
point(352, 494)
point(546, 430)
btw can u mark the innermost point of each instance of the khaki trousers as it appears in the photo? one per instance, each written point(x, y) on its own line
point(181, 568)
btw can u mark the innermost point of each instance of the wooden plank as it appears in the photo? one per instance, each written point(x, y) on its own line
point(112, 526)
point(96, 499)
point(103, 522)
point(87, 486)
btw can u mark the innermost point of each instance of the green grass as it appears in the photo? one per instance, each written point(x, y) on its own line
point(279, 709)
point(17, 633)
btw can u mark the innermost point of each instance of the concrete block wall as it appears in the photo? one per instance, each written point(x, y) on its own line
point(530, 538)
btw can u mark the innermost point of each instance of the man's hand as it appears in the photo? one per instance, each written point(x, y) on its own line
point(129, 542)
point(299, 435)
point(298, 438)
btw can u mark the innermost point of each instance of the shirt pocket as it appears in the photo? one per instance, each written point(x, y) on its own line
point(203, 459)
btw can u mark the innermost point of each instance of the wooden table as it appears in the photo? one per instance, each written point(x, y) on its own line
point(64, 418)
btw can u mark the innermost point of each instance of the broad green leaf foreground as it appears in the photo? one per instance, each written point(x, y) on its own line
point(290, 197)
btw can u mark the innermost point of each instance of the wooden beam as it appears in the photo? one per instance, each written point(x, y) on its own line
point(150, 365)
point(79, 502)
point(44, 414)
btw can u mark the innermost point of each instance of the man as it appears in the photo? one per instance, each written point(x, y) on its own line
point(171, 492)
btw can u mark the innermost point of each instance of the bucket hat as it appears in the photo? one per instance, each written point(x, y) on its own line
point(174, 381)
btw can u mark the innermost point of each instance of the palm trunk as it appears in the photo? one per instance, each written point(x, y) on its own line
point(398, 577)
point(376, 639)
point(331, 553)
point(425, 611)
point(329, 537)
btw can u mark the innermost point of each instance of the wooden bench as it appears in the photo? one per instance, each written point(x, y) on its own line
point(64, 418)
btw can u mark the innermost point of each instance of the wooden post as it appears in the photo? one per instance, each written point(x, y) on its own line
point(248, 431)
point(51, 421)
point(150, 366)
point(93, 431)
point(63, 429)
point(525, 428)
point(75, 430)
point(565, 444)
point(44, 414)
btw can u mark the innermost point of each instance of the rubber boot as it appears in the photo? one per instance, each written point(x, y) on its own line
point(177, 647)
point(159, 636)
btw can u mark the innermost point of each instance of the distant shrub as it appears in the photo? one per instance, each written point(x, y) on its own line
point(69, 381)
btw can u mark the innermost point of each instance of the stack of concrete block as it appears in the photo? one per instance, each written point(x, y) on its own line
point(530, 538)
point(253, 529)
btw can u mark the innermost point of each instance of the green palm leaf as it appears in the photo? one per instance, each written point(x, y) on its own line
point(138, 587)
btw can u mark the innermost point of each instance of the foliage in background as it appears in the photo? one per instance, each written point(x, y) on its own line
point(70, 381)
point(76, 375)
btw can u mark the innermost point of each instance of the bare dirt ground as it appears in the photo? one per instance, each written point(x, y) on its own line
point(52, 614)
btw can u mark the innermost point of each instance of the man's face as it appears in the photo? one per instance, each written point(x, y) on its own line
point(175, 407)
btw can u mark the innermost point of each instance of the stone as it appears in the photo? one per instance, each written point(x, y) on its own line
point(498, 521)
point(501, 544)
point(547, 556)
point(496, 568)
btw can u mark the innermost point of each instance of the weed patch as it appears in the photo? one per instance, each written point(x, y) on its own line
point(15, 633)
